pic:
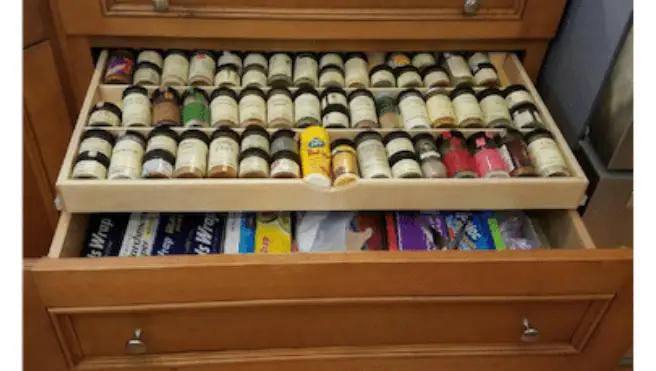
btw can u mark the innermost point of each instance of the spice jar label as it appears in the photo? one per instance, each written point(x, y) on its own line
point(254, 164)
point(136, 110)
point(284, 166)
point(382, 77)
point(495, 108)
point(440, 107)
point(89, 169)
point(307, 105)
point(526, 119)
point(415, 115)
point(331, 58)
point(224, 152)
point(398, 60)
point(306, 68)
point(458, 66)
point(177, 67)
point(518, 97)
point(280, 106)
point(398, 145)
point(156, 166)
point(280, 64)
point(119, 66)
point(466, 107)
point(545, 155)
point(96, 145)
point(363, 108)
point(331, 78)
point(224, 108)
point(255, 141)
point(344, 163)
point(126, 160)
point(229, 58)
point(485, 75)
point(356, 72)
point(226, 77)
point(333, 98)
point(104, 117)
point(335, 119)
point(146, 76)
point(201, 66)
point(195, 113)
point(256, 58)
point(436, 78)
point(476, 59)
point(372, 158)
point(505, 154)
point(409, 78)
point(254, 78)
point(252, 107)
point(162, 142)
point(422, 60)
point(150, 56)
point(192, 153)
point(406, 168)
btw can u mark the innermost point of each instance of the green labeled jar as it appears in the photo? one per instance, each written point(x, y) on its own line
point(195, 108)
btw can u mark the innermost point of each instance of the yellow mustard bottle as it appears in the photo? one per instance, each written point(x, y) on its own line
point(315, 156)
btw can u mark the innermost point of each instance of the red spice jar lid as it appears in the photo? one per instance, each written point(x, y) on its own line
point(450, 139)
point(481, 140)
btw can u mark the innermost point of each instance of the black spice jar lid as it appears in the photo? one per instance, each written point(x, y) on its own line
point(161, 91)
point(136, 135)
point(402, 155)
point(397, 134)
point(356, 55)
point(332, 89)
point(512, 134)
point(436, 91)
point(150, 65)
point(381, 67)
point(538, 134)
point(255, 67)
point(423, 136)
point(407, 92)
point(93, 156)
point(135, 89)
point(286, 154)
point(227, 132)
point(228, 66)
point(481, 140)
point(98, 133)
point(336, 108)
point(461, 90)
point(481, 66)
point(252, 90)
point(331, 66)
point(398, 71)
point(159, 154)
point(305, 89)
point(341, 142)
point(107, 106)
point(279, 90)
point(255, 130)
point(123, 51)
point(523, 107)
point(487, 92)
point(194, 134)
point(514, 88)
point(360, 92)
point(194, 90)
point(165, 131)
point(283, 133)
point(204, 52)
point(178, 52)
point(306, 55)
point(368, 134)
point(223, 91)
point(254, 151)
point(431, 69)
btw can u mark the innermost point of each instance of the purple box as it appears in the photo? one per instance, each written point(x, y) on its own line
point(420, 231)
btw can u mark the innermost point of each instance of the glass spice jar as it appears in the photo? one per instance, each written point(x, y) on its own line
point(376, 58)
point(363, 109)
point(408, 77)
point(280, 70)
point(429, 158)
point(466, 107)
point(344, 162)
point(201, 68)
point(458, 69)
point(398, 59)
point(224, 154)
point(166, 107)
point(254, 75)
point(229, 57)
point(120, 67)
point(335, 116)
point(255, 136)
point(280, 108)
point(435, 76)
point(191, 161)
point(382, 76)
point(331, 58)
point(487, 157)
point(306, 70)
point(158, 164)
point(486, 75)
point(386, 108)
point(517, 94)
point(151, 56)
point(136, 107)
point(256, 59)
point(90, 165)
point(307, 107)
point(333, 95)
point(526, 116)
point(147, 74)
point(195, 108)
point(105, 114)
point(458, 160)
point(477, 58)
point(398, 141)
point(440, 109)
point(163, 138)
point(126, 156)
point(515, 153)
point(413, 110)
point(224, 108)
point(284, 140)
point(227, 75)
point(545, 155)
point(97, 140)
point(356, 71)
point(423, 60)
point(285, 165)
point(176, 68)
point(252, 107)
point(405, 166)
point(331, 75)
point(494, 108)
point(372, 156)
point(253, 163)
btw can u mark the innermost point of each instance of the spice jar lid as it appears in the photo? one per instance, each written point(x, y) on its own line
point(538, 134)
point(341, 142)
point(254, 67)
point(223, 91)
point(255, 130)
point(332, 89)
point(277, 53)
point(146, 64)
point(335, 108)
point(98, 133)
point(407, 92)
point(93, 156)
point(381, 67)
point(481, 66)
point(228, 66)
point(356, 55)
point(431, 69)
point(135, 89)
point(514, 88)
point(158, 51)
point(178, 52)
point(235, 52)
point(448, 135)
point(397, 134)
point(225, 131)
point(331, 66)
point(321, 54)
point(134, 135)
point(487, 92)
point(161, 91)
point(423, 136)
point(402, 155)
point(279, 90)
point(436, 91)
point(462, 89)
point(194, 134)
point(305, 89)
point(252, 90)
point(283, 133)
point(108, 106)
point(254, 151)
point(165, 131)
point(123, 51)
point(368, 134)
point(480, 140)
point(523, 107)
point(398, 71)
point(159, 154)
point(360, 92)
point(194, 91)
point(205, 52)
point(306, 55)
point(512, 134)
point(286, 154)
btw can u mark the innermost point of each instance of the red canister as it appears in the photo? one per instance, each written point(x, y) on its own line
point(457, 159)
point(488, 159)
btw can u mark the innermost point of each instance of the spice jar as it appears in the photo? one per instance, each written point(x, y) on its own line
point(335, 116)
point(284, 140)
point(315, 156)
point(90, 165)
point(256, 59)
point(398, 59)
point(413, 110)
point(136, 106)
point(252, 107)
point(515, 154)
point(253, 163)
point(166, 107)
point(388, 116)
point(408, 77)
point(227, 75)
point(465, 105)
point(224, 108)
point(195, 108)
point(398, 141)
point(331, 75)
point(120, 67)
point(331, 58)
point(176, 68)
point(158, 164)
point(477, 58)
point(372, 156)
point(254, 75)
point(307, 107)
point(285, 164)
point(545, 155)
point(96, 140)
point(151, 56)
point(126, 156)
point(485, 74)
point(435, 76)
point(457, 159)
point(494, 108)
point(405, 166)
point(526, 116)
point(228, 57)
point(224, 154)
point(458, 69)
point(363, 109)
point(163, 138)
point(255, 137)
point(280, 108)
point(192, 155)
point(105, 114)
point(440, 109)
point(147, 74)
point(333, 95)
point(201, 68)
point(429, 158)
point(280, 70)
point(382, 76)
point(306, 70)
point(487, 157)
point(517, 94)
point(356, 71)
point(345, 162)
point(423, 60)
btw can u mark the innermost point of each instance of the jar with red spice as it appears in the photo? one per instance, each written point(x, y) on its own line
point(487, 157)
point(457, 159)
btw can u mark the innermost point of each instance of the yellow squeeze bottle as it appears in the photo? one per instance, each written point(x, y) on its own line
point(315, 156)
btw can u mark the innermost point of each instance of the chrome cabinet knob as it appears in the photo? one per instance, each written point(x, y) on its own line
point(530, 334)
point(136, 345)
point(161, 5)
point(471, 7)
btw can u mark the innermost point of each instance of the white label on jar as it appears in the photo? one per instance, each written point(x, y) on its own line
point(285, 166)
point(229, 58)
point(405, 168)
point(335, 119)
point(495, 108)
point(476, 59)
point(518, 97)
point(409, 78)
point(413, 110)
point(398, 145)
point(331, 58)
point(96, 145)
point(89, 169)
point(126, 160)
point(525, 119)
point(363, 108)
point(372, 159)
point(280, 106)
point(485, 76)
point(421, 60)
point(192, 153)
point(104, 117)
point(546, 156)
point(383, 77)
point(136, 110)
point(280, 64)
point(156, 166)
point(255, 141)
point(306, 68)
point(253, 164)
point(458, 66)
point(505, 154)
point(439, 107)
point(331, 78)
point(224, 151)
point(256, 59)
point(224, 108)
point(252, 107)
point(356, 72)
point(226, 77)
point(146, 76)
point(163, 142)
point(333, 98)
point(202, 66)
point(254, 78)
point(429, 154)
point(150, 56)
point(307, 105)
point(466, 107)
point(436, 78)
point(176, 69)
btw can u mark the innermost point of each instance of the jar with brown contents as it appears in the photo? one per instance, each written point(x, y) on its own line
point(252, 107)
point(515, 154)
point(120, 67)
point(440, 108)
point(280, 108)
point(285, 165)
point(192, 155)
point(224, 154)
point(344, 162)
point(166, 107)
point(545, 154)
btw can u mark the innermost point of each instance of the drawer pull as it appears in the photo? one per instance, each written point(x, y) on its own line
point(530, 334)
point(161, 5)
point(136, 345)
point(471, 7)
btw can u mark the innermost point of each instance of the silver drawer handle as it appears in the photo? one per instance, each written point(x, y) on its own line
point(471, 7)
point(530, 334)
point(161, 5)
point(136, 345)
